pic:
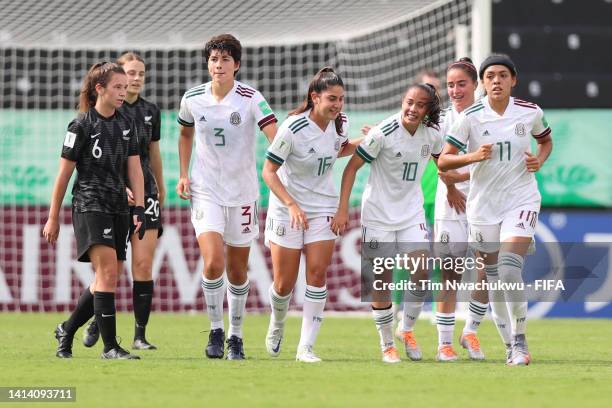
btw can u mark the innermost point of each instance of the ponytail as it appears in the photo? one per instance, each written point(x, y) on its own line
point(324, 79)
point(99, 73)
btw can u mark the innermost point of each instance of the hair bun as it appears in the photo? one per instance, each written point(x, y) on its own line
point(466, 59)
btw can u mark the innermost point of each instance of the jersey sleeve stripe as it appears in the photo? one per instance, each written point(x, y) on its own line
point(435, 156)
point(266, 121)
point(184, 122)
point(455, 142)
point(474, 109)
point(296, 129)
point(297, 124)
point(391, 129)
point(274, 158)
point(344, 143)
point(364, 155)
point(189, 95)
point(543, 134)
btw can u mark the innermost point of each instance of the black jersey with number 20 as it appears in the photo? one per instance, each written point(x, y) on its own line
point(100, 147)
point(147, 118)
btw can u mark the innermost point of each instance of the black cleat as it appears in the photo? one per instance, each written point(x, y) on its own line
point(64, 340)
point(235, 349)
point(214, 349)
point(117, 353)
point(91, 334)
point(142, 344)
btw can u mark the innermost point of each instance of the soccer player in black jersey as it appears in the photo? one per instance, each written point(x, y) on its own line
point(102, 144)
point(147, 118)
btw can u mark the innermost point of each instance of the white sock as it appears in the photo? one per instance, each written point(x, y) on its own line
point(314, 303)
point(511, 271)
point(384, 324)
point(213, 295)
point(446, 327)
point(236, 300)
point(477, 312)
point(413, 304)
point(499, 309)
point(279, 305)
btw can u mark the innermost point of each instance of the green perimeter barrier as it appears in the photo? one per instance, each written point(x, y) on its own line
point(576, 174)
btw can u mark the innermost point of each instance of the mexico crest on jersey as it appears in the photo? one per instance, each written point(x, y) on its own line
point(235, 118)
point(337, 144)
point(425, 150)
point(519, 130)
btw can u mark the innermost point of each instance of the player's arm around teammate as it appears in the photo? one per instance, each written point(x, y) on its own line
point(392, 217)
point(303, 200)
point(221, 116)
point(504, 200)
point(451, 231)
point(100, 143)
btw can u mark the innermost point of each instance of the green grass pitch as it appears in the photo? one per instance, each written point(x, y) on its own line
point(572, 367)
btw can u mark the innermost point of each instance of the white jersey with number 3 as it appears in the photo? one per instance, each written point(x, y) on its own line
point(307, 154)
point(502, 183)
point(392, 199)
point(224, 169)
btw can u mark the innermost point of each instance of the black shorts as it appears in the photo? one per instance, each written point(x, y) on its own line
point(152, 214)
point(96, 228)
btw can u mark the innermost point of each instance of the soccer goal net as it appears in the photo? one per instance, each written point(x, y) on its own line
point(378, 47)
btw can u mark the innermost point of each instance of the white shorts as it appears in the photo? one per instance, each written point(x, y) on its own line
point(518, 223)
point(238, 225)
point(407, 240)
point(281, 233)
point(451, 237)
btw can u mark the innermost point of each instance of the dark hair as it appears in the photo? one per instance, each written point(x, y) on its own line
point(99, 73)
point(324, 79)
point(432, 118)
point(466, 65)
point(224, 42)
point(127, 57)
point(497, 59)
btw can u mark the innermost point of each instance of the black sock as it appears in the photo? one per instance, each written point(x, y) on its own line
point(104, 308)
point(142, 296)
point(83, 311)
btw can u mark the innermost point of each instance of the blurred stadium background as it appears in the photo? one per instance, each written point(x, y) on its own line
point(377, 46)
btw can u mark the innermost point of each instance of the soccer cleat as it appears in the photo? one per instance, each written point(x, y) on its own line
point(446, 353)
point(117, 353)
point(214, 349)
point(306, 355)
point(274, 338)
point(470, 342)
point(391, 356)
point(142, 344)
point(508, 353)
point(520, 353)
point(412, 348)
point(91, 334)
point(235, 348)
point(64, 342)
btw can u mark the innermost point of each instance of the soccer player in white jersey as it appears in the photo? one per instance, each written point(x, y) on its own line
point(303, 201)
point(223, 187)
point(504, 201)
point(451, 231)
point(398, 150)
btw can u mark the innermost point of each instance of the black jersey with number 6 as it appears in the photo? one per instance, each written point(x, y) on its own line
point(100, 147)
point(147, 118)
